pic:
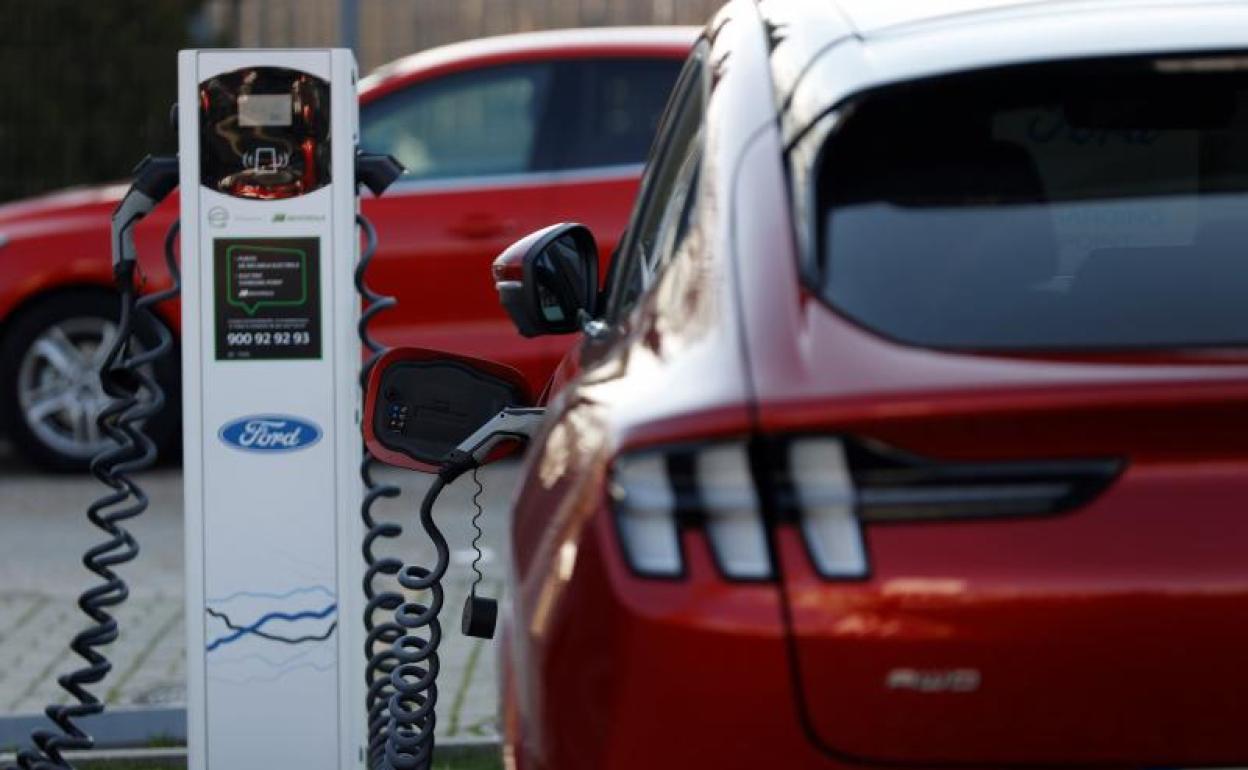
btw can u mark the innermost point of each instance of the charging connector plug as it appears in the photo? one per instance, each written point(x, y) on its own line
point(511, 424)
point(154, 178)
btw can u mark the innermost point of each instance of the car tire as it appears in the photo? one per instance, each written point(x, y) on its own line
point(49, 383)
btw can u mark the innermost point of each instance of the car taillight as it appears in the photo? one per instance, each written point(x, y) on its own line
point(658, 493)
point(825, 503)
point(829, 486)
point(728, 502)
point(646, 515)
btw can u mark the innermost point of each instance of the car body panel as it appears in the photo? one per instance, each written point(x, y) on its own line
point(1097, 630)
point(569, 43)
point(72, 227)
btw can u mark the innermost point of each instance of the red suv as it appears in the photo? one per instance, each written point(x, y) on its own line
point(911, 429)
point(498, 136)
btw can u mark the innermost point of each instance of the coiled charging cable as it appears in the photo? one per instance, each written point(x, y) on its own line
point(380, 637)
point(377, 172)
point(136, 398)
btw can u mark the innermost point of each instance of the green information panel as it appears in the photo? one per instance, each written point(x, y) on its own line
point(267, 298)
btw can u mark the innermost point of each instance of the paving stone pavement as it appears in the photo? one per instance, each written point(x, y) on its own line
point(43, 533)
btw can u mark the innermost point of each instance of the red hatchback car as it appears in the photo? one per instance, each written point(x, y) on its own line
point(911, 428)
point(499, 136)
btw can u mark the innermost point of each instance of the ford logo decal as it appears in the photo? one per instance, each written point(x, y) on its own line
point(270, 433)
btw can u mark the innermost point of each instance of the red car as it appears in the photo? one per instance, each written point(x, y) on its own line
point(498, 136)
point(911, 429)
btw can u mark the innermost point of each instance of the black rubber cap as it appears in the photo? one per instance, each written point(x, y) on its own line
point(480, 617)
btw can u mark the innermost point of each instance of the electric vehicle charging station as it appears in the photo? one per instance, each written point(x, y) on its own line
point(270, 360)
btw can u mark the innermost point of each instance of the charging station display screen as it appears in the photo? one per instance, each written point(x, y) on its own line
point(264, 110)
point(268, 298)
point(264, 133)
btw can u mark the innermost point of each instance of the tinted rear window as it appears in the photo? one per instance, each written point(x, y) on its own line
point(1083, 205)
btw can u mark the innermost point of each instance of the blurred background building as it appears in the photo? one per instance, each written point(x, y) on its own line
point(86, 86)
point(389, 29)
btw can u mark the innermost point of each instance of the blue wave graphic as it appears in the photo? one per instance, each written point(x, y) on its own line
point(284, 616)
point(275, 597)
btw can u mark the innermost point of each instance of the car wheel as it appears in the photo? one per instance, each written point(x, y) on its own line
point(49, 363)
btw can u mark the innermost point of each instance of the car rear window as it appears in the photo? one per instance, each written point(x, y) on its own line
point(1082, 205)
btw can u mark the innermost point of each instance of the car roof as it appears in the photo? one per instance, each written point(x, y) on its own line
point(823, 51)
point(676, 40)
point(869, 17)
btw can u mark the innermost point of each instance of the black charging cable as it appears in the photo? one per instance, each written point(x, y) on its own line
point(379, 637)
point(414, 680)
point(377, 172)
point(410, 734)
point(136, 397)
point(480, 613)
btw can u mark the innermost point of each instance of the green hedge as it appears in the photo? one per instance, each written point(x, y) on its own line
point(85, 88)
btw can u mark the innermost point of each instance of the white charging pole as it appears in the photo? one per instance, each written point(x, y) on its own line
point(271, 407)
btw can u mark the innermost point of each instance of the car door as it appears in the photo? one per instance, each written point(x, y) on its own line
point(470, 142)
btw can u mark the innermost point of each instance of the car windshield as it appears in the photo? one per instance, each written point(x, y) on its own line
point(1082, 205)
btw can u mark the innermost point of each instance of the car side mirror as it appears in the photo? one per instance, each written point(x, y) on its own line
point(421, 404)
point(548, 280)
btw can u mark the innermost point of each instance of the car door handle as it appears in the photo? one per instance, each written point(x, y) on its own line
point(477, 227)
